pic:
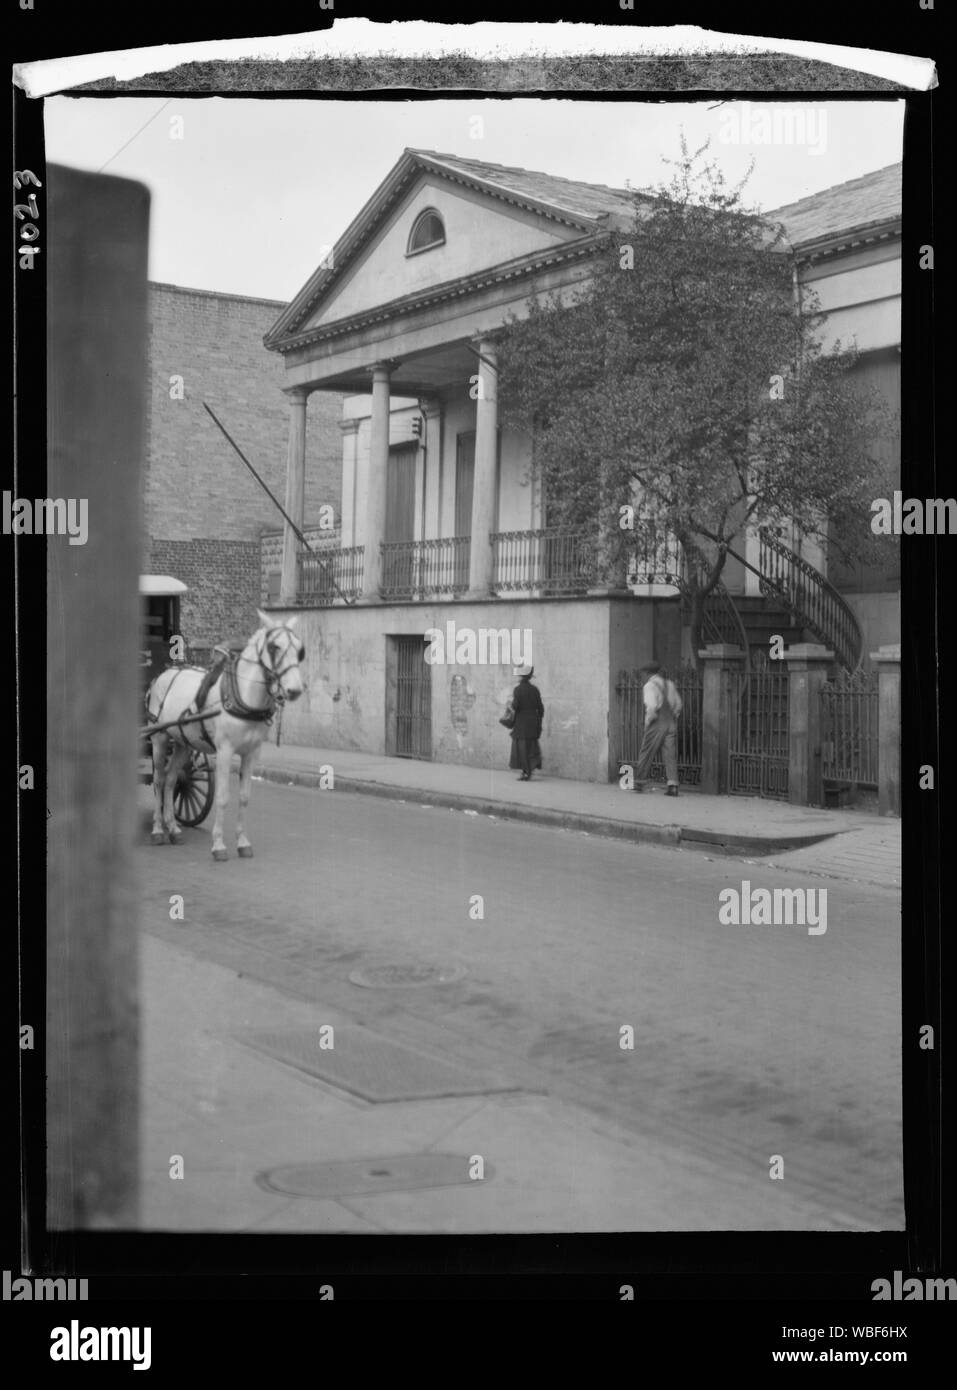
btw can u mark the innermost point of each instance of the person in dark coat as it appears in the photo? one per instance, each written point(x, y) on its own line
point(527, 730)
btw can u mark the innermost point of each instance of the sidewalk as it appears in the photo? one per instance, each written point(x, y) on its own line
point(866, 847)
point(234, 1117)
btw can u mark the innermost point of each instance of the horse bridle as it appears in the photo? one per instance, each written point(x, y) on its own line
point(273, 682)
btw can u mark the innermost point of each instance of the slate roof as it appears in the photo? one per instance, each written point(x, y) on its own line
point(591, 200)
point(845, 207)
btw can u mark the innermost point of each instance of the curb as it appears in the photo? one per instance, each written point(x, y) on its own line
point(672, 836)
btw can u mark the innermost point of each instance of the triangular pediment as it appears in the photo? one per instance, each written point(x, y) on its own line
point(491, 215)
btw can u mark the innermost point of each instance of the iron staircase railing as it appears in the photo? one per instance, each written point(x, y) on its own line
point(803, 590)
point(666, 561)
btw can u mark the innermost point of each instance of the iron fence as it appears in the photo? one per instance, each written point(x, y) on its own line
point(849, 715)
point(629, 722)
point(425, 569)
point(551, 560)
point(758, 742)
point(329, 575)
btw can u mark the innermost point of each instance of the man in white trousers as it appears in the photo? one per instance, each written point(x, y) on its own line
point(662, 708)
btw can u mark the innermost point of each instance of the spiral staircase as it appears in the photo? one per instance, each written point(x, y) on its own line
point(795, 598)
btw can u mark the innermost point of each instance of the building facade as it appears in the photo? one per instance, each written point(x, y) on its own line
point(204, 514)
point(440, 520)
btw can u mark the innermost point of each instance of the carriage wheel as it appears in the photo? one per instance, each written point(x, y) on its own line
point(194, 790)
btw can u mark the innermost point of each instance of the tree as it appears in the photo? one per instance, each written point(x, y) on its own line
point(686, 377)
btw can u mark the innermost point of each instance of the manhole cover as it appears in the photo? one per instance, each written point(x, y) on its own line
point(404, 976)
point(374, 1067)
point(359, 1176)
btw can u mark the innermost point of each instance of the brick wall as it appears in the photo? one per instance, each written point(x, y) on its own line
point(223, 582)
point(196, 486)
point(271, 557)
point(204, 513)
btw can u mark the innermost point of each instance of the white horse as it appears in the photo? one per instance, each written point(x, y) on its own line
point(246, 693)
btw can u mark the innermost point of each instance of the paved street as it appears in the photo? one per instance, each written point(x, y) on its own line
point(749, 1041)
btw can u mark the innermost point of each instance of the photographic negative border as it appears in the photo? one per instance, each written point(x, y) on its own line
point(675, 1266)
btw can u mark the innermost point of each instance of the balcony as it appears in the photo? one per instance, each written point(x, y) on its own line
point(551, 561)
point(328, 575)
point(425, 569)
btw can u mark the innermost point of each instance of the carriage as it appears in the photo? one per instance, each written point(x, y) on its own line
point(195, 786)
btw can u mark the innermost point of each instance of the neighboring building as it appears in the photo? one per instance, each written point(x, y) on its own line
point(439, 520)
point(848, 244)
point(204, 514)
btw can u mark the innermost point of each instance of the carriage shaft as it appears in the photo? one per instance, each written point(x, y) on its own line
point(150, 729)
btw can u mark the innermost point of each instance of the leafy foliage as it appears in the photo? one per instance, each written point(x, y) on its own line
point(681, 377)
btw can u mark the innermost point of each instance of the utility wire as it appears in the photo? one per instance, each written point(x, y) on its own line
point(135, 133)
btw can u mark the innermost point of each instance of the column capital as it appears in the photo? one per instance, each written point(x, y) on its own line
point(383, 368)
point(430, 406)
point(486, 345)
point(349, 426)
point(297, 394)
point(887, 655)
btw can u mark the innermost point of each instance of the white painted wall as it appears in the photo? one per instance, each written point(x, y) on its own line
point(478, 233)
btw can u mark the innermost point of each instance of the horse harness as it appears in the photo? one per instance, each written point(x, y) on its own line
point(231, 701)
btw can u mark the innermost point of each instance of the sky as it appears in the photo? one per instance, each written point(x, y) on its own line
point(248, 195)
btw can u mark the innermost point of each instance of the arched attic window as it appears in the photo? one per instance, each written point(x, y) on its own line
point(428, 231)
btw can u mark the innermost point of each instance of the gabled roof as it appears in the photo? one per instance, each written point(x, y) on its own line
point(870, 202)
point(582, 206)
point(586, 200)
point(845, 208)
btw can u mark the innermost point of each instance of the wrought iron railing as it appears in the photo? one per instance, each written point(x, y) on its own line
point(629, 722)
point(552, 560)
point(425, 569)
point(662, 559)
point(805, 592)
point(658, 559)
point(849, 728)
point(328, 576)
point(759, 731)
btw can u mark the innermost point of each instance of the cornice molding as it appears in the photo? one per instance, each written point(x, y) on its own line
point(463, 287)
point(367, 222)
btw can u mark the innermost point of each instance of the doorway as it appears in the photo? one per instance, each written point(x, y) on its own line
point(408, 703)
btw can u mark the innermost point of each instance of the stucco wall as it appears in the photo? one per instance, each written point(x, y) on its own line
point(575, 646)
point(880, 618)
point(478, 234)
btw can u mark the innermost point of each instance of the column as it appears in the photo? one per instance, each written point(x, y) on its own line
point(432, 443)
point(888, 663)
point(809, 665)
point(350, 441)
point(718, 662)
point(483, 488)
point(376, 483)
point(295, 492)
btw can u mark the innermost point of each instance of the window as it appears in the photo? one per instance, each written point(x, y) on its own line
point(428, 231)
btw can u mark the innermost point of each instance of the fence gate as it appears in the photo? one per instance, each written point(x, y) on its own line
point(758, 749)
point(412, 717)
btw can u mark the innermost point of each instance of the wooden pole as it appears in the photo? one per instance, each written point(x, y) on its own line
point(97, 334)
